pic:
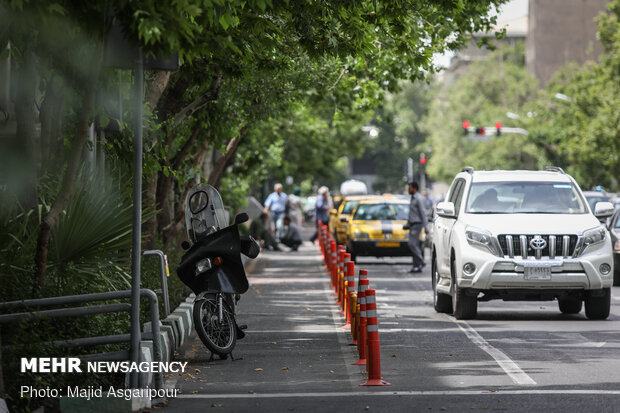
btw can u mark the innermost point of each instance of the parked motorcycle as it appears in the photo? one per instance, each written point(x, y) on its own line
point(213, 269)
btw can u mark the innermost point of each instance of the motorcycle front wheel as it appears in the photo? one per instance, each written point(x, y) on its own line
point(220, 337)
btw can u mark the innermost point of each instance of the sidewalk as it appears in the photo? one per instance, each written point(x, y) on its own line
point(294, 342)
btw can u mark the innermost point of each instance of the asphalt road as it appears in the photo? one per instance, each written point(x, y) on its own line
point(516, 357)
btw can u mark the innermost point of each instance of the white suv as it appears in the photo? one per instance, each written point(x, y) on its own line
point(520, 235)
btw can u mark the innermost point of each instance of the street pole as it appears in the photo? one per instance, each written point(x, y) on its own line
point(137, 217)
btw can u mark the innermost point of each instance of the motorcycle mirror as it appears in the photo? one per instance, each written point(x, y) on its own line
point(198, 201)
point(241, 218)
point(185, 245)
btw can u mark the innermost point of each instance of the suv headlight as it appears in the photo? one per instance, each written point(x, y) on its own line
point(483, 239)
point(594, 236)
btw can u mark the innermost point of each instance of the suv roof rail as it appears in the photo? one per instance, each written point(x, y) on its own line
point(468, 169)
point(554, 169)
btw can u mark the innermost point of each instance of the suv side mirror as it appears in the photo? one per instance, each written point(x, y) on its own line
point(446, 210)
point(344, 219)
point(603, 209)
point(241, 218)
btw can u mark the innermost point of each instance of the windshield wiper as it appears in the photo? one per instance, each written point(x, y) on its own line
point(489, 212)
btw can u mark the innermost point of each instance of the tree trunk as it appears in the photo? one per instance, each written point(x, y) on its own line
point(156, 88)
point(89, 88)
point(226, 159)
point(26, 153)
point(51, 117)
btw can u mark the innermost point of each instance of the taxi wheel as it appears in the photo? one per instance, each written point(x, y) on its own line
point(352, 252)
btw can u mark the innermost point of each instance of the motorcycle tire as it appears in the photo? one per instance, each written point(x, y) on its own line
point(220, 338)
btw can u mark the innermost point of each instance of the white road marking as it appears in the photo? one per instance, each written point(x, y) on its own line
point(510, 367)
point(399, 393)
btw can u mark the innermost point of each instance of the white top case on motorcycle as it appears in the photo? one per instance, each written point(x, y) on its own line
point(204, 212)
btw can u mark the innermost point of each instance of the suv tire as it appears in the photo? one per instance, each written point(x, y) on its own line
point(597, 307)
point(441, 302)
point(570, 305)
point(464, 306)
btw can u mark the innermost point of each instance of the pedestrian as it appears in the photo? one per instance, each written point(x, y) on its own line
point(416, 223)
point(275, 205)
point(321, 210)
point(292, 236)
point(294, 206)
point(259, 230)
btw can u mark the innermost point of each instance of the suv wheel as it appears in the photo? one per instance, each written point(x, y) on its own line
point(442, 302)
point(597, 306)
point(570, 305)
point(464, 306)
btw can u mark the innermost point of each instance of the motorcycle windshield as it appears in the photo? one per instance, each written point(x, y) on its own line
point(204, 212)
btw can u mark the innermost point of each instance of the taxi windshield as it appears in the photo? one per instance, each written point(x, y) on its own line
point(524, 198)
point(349, 206)
point(379, 212)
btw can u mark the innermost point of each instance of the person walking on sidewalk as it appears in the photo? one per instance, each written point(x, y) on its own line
point(322, 210)
point(416, 222)
point(294, 206)
point(292, 235)
point(275, 204)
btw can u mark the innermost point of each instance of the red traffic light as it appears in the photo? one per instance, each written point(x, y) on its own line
point(466, 124)
point(498, 125)
point(423, 161)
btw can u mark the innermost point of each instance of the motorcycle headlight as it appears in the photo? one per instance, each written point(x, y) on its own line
point(483, 239)
point(594, 236)
point(203, 265)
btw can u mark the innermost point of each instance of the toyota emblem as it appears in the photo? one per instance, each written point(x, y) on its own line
point(538, 243)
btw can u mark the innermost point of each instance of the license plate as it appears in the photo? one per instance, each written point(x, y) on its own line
point(537, 273)
point(388, 244)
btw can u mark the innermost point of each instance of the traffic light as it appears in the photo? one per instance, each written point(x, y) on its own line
point(465, 128)
point(498, 127)
point(422, 159)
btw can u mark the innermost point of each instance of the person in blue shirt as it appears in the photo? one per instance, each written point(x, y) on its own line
point(322, 210)
point(275, 205)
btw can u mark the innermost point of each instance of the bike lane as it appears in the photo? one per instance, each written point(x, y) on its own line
point(293, 344)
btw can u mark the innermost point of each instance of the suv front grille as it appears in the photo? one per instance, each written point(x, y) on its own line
point(556, 246)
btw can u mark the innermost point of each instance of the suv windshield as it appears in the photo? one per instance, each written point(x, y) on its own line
point(524, 198)
point(378, 212)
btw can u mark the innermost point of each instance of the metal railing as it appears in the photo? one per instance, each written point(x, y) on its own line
point(90, 310)
point(165, 273)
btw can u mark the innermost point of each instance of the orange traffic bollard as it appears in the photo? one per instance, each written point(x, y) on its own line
point(361, 342)
point(353, 310)
point(373, 363)
point(350, 287)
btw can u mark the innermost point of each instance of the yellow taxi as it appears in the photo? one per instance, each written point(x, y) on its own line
point(333, 213)
point(376, 228)
point(344, 214)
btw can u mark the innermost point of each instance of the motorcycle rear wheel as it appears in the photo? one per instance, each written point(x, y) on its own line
point(219, 337)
